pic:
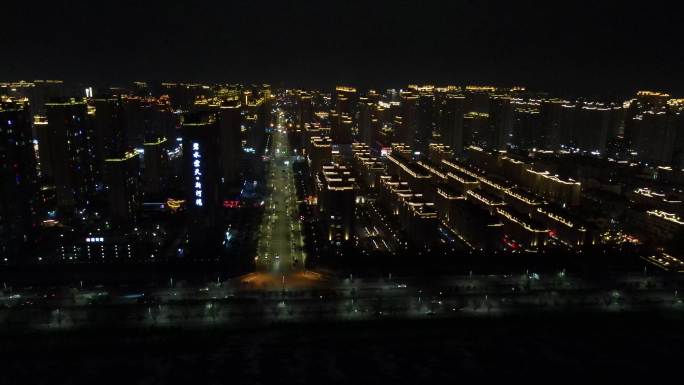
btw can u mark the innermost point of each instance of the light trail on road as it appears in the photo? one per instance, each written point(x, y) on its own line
point(280, 249)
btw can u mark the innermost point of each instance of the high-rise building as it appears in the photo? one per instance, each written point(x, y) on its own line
point(551, 111)
point(257, 118)
point(343, 119)
point(145, 117)
point(122, 181)
point(678, 150)
point(366, 117)
point(425, 122)
point(654, 135)
point(319, 152)
point(183, 95)
point(439, 152)
point(451, 123)
point(65, 155)
point(616, 128)
point(475, 127)
point(477, 98)
point(500, 125)
point(590, 132)
point(18, 188)
point(527, 126)
point(345, 101)
point(652, 99)
point(201, 168)
point(231, 146)
point(336, 193)
point(567, 124)
point(304, 109)
point(407, 124)
point(133, 120)
point(340, 129)
point(108, 130)
point(155, 160)
point(45, 91)
point(141, 89)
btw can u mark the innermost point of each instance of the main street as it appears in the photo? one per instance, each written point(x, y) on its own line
point(246, 300)
point(280, 249)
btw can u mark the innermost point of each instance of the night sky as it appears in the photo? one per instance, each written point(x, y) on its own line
point(562, 46)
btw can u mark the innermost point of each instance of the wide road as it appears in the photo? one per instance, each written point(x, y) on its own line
point(280, 248)
point(308, 297)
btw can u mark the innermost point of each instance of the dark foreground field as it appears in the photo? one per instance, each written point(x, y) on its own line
point(586, 348)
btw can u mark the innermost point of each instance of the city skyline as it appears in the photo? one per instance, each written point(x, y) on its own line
point(171, 172)
point(398, 192)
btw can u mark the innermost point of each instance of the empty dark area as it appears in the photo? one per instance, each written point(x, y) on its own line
point(534, 349)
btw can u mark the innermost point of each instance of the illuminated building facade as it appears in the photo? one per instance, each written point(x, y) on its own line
point(340, 129)
point(345, 100)
point(416, 216)
point(664, 229)
point(319, 153)
point(336, 187)
point(201, 168)
point(367, 167)
point(402, 167)
point(103, 247)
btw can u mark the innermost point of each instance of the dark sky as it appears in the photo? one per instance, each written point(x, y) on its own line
point(566, 46)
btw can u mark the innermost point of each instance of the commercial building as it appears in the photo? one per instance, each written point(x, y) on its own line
point(201, 169)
